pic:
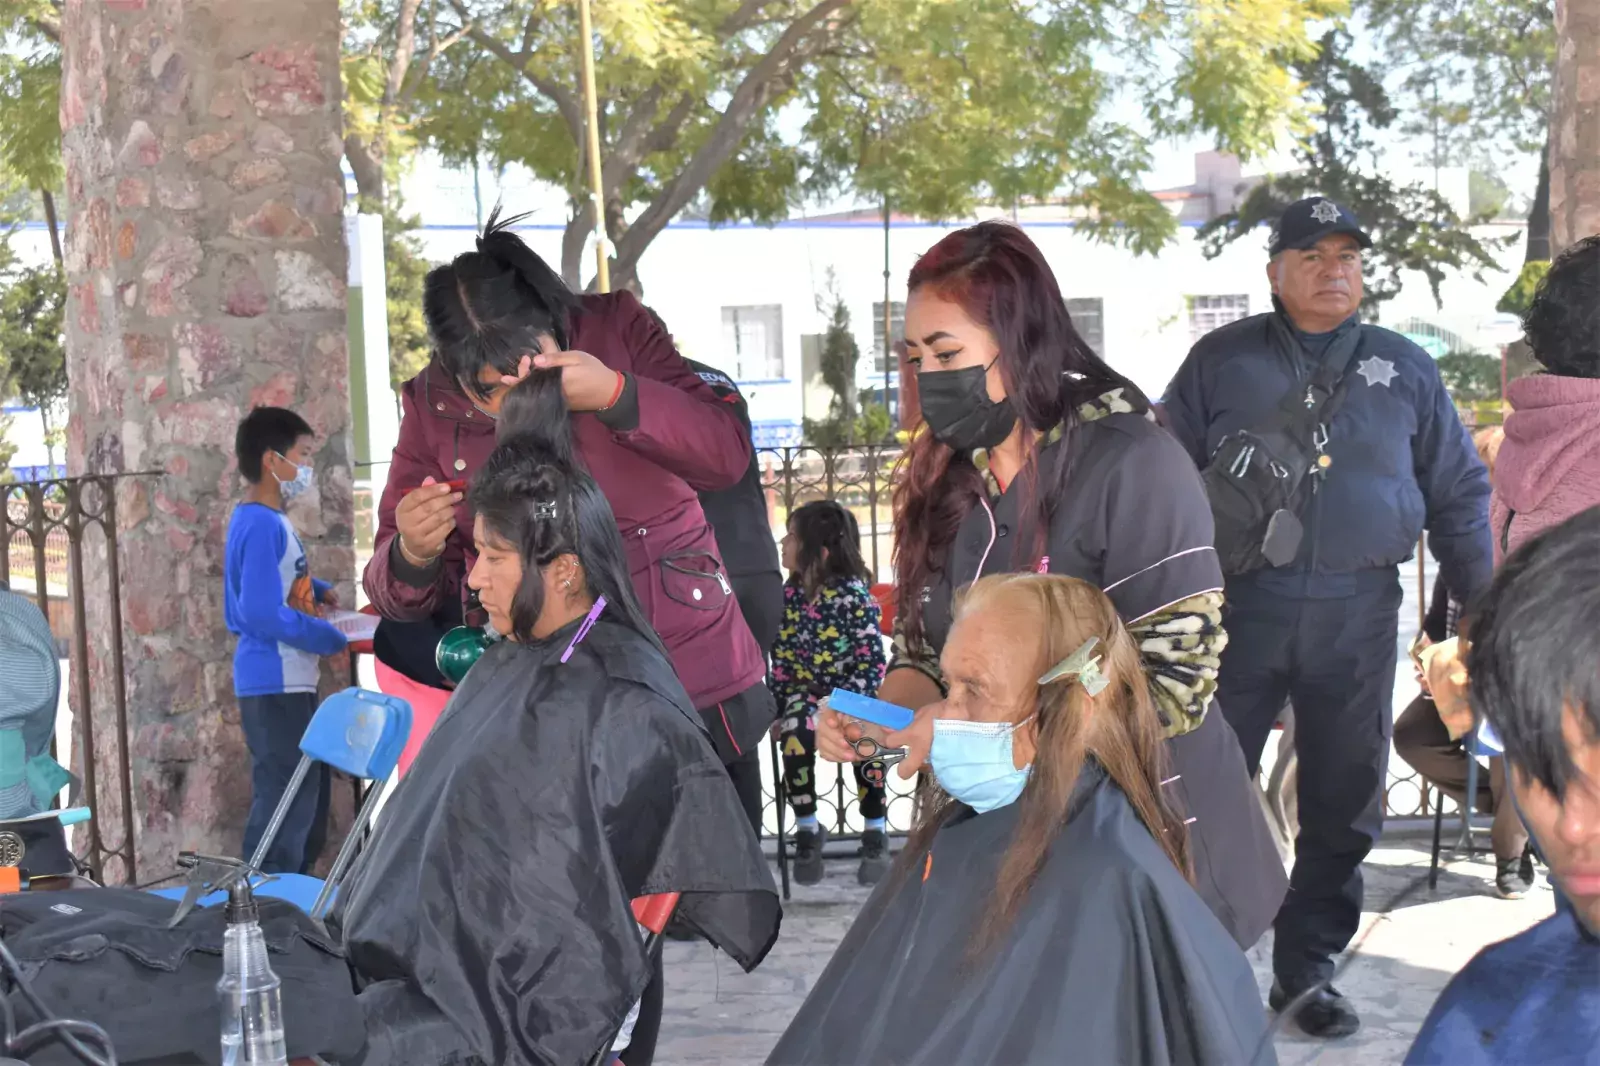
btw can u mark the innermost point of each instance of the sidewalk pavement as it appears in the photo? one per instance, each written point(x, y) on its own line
point(718, 1016)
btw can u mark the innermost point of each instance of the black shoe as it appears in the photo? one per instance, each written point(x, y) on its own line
point(1527, 863)
point(874, 857)
point(1513, 877)
point(808, 855)
point(1327, 1014)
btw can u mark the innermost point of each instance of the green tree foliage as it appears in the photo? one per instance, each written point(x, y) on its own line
point(390, 47)
point(404, 271)
point(934, 104)
point(1412, 228)
point(1517, 298)
point(1471, 377)
point(32, 356)
point(1478, 73)
point(852, 417)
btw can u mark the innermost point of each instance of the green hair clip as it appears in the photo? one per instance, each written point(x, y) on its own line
point(1083, 665)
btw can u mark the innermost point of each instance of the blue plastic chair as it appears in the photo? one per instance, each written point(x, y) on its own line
point(360, 732)
point(1484, 743)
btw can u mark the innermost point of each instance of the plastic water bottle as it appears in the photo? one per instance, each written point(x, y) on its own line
point(252, 1004)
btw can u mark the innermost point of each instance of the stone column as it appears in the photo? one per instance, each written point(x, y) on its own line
point(206, 272)
point(1575, 125)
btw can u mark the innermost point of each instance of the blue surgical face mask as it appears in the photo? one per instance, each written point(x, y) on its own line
point(303, 479)
point(973, 761)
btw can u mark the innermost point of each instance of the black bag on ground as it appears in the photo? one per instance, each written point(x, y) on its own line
point(105, 955)
point(1255, 476)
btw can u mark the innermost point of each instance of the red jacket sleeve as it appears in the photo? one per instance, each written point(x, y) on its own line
point(395, 599)
point(683, 425)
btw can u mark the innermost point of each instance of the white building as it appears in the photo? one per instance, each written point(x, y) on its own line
point(746, 298)
point(753, 299)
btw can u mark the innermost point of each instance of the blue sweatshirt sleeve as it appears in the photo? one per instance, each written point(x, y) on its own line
point(321, 589)
point(1455, 485)
point(1185, 407)
point(262, 611)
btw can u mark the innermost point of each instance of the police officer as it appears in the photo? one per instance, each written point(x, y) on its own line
point(1321, 630)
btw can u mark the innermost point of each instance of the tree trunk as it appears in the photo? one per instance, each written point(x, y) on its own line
point(367, 165)
point(1538, 249)
point(182, 314)
point(572, 241)
point(50, 219)
point(1575, 125)
point(49, 437)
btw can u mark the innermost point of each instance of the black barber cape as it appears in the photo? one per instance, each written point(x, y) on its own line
point(489, 920)
point(1112, 959)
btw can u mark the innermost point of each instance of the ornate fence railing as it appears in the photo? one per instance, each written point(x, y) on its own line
point(61, 548)
point(61, 540)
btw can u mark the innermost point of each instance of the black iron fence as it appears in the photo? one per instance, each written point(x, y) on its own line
point(49, 528)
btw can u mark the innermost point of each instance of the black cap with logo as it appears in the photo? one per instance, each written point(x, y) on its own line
point(1308, 221)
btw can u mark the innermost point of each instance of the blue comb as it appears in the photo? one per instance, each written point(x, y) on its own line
point(855, 705)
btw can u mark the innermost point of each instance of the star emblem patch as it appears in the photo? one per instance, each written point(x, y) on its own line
point(1377, 371)
point(1324, 211)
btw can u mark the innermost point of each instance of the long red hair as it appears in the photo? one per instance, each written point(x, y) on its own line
point(1001, 280)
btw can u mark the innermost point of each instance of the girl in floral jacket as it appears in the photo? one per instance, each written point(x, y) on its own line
point(830, 639)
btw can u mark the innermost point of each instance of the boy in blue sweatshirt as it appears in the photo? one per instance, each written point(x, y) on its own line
point(271, 603)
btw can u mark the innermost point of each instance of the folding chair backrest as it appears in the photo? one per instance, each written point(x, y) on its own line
point(653, 912)
point(884, 594)
point(359, 732)
point(1486, 741)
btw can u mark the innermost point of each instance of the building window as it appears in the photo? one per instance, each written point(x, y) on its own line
point(752, 342)
point(1088, 318)
point(1207, 313)
point(897, 331)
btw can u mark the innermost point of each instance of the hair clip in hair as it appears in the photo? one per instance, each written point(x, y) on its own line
point(1083, 665)
point(545, 510)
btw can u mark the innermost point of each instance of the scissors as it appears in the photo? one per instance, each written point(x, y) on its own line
point(875, 771)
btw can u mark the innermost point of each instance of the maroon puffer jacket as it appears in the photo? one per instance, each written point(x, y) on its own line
point(686, 441)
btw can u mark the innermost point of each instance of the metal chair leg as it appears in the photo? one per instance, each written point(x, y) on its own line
point(1465, 843)
point(1438, 824)
point(781, 793)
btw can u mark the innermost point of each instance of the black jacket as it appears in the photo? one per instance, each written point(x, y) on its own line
point(1134, 521)
point(1401, 459)
point(738, 517)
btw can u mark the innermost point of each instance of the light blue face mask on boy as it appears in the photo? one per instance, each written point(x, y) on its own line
point(303, 479)
point(973, 762)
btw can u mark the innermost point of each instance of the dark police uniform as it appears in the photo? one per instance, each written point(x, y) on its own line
point(1322, 632)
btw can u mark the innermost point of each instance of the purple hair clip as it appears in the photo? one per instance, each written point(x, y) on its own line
point(588, 624)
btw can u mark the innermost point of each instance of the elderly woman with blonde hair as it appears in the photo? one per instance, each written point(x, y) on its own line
point(1042, 910)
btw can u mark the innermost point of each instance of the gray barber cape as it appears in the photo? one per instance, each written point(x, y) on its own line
point(1113, 959)
point(488, 922)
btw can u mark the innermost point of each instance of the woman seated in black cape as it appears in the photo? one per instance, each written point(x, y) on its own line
point(488, 921)
point(1041, 912)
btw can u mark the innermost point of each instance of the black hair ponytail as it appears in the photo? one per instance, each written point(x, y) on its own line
point(535, 413)
point(547, 508)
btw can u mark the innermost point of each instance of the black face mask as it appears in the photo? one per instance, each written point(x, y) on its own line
point(959, 413)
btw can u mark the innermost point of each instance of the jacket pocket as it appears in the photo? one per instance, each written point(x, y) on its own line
point(695, 580)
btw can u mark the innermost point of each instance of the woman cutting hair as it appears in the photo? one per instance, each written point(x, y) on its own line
point(489, 920)
point(1041, 912)
point(1037, 456)
point(647, 427)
